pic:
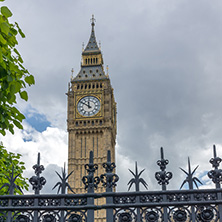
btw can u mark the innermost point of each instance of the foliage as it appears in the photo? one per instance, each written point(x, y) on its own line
point(10, 163)
point(14, 77)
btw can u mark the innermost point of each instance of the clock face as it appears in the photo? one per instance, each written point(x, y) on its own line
point(88, 106)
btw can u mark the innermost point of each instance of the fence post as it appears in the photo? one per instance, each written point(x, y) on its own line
point(37, 183)
point(109, 180)
point(163, 178)
point(90, 183)
point(216, 176)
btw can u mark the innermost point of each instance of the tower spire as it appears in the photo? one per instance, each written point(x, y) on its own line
point(92, 45)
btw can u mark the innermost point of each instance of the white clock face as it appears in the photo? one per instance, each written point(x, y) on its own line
point(88, 106)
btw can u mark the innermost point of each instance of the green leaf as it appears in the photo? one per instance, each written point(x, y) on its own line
point(4, 28)
point(2, 40)
point(30, 80)
point(6, 12)
point(24, 95)
point(18, 124)
point(1, 59)
point(20, 117)
point(20, 31)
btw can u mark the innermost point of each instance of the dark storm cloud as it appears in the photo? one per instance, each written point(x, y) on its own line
point(164, 62)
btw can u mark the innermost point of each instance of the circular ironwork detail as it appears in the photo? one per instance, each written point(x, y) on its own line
point(152, 216)
point(180, 216)
point(125, 217)
point(22, 218)
point(49, 218)
point(75, 218)
point(206, 215)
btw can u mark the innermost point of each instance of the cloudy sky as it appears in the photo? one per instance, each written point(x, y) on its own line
point(165, 63)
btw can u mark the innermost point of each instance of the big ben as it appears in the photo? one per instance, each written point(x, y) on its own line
point(91, 114)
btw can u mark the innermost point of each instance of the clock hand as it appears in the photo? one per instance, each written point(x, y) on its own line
point(86, 104)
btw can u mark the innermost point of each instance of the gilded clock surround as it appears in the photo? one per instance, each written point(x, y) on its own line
point(97, 115)
point(95, 133)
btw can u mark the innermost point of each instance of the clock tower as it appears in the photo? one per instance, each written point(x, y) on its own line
point(91, 118)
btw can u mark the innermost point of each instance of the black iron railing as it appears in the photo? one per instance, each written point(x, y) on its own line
point(202, 205)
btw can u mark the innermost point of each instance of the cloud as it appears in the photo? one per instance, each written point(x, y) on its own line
point(165, 67)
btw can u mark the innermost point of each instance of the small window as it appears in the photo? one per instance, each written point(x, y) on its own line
point(90, 71)
point(97, 85)
point(77, 123)
point(78, 86)
point(86, 61)
point(89, 86)
point(84, 123)
point(93, 86)
point(100, 122)
point(84, 71)
point(85, 86)
point(93, 123)
point(101, 86)
point(97, 70)
point(86, 76)
point(82, 86)
point(94, 75)
point(96, 60)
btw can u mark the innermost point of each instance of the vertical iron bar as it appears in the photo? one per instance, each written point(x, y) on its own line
point(109, 180)
point(109, 200)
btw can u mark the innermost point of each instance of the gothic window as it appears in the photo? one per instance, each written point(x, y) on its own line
point(94, 60)
point(82, 86)
point(86, 61)
point(89, 86)
point(85, 86)
point(78, 86)
point(93, 86)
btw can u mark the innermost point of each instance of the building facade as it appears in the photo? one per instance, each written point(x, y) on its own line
point(91, 121)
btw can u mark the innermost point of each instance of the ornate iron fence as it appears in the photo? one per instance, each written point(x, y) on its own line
point(202, 205)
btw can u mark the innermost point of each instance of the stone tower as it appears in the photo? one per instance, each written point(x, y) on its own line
point(91, 119)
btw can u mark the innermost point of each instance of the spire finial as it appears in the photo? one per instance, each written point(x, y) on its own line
point(107, 70)
point(72, 71)
point(92, 20)
point(83, 46)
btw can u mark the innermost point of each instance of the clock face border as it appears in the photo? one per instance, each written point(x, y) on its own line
point(79, 115)
point(88, 106)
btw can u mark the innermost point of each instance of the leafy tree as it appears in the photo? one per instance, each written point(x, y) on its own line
point(14, 77)
point(10, 164)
